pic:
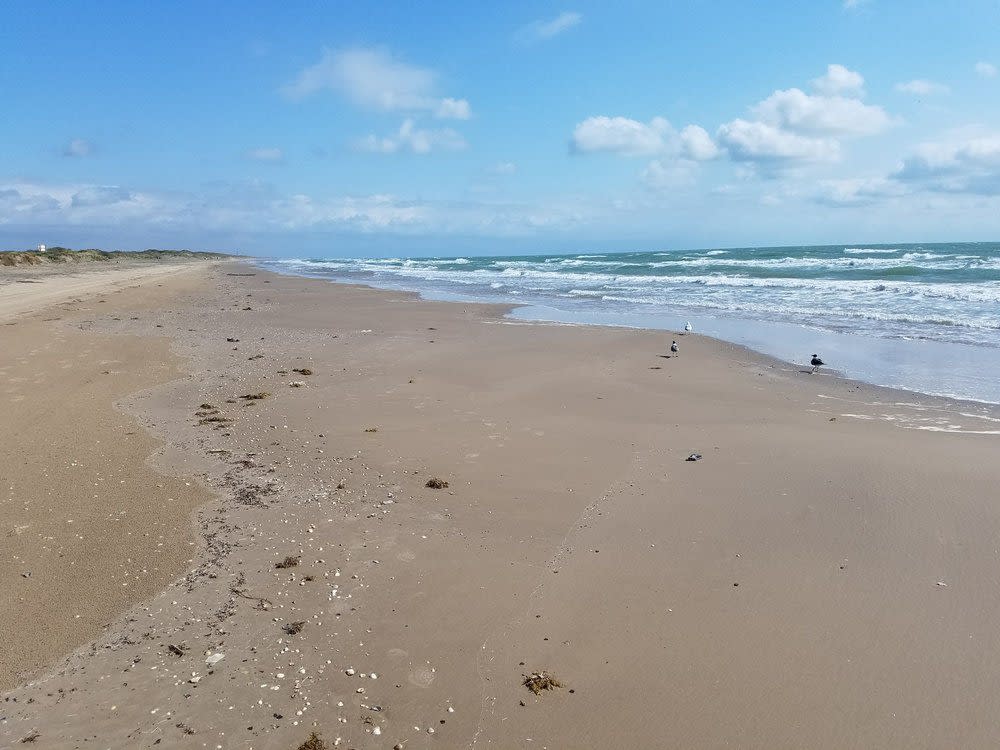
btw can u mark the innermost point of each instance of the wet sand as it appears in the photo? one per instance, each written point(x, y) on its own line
point(823, 577)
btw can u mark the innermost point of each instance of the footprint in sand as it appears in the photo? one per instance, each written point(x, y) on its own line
point(422, 677)
point(406, 556)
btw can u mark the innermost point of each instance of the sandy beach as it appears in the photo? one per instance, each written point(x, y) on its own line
point(218, 531)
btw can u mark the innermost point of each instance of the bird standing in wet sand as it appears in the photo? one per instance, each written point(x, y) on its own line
point(687, 327)
point(816, 362)
point(673, 347)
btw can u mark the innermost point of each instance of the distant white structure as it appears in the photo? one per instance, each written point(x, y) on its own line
point(41, 248)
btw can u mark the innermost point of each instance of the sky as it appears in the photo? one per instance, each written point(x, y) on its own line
point(334, 129)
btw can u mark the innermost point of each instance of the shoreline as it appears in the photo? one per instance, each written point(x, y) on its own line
point(573, 537)
point(989, 409)
point(925, 346)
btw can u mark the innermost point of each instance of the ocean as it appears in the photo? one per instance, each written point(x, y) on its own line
point(922, 317)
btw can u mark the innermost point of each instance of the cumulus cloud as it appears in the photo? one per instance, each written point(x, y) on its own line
point(762, 142)
point(862, 191)
point(99, 195)
point(660, 174)
point(257, 207)
point(788, 127)
point(374, 79)
point(791, 126)
point(548, 28)
point(28, 203)
point(411, 138)
point(78, 148)
point(620, 135)
point(697, 144)
point(16, 203)
point(920, 87)
point(985, 69)
point(798, 111)
point(453, 109)
point(839, 81)
point(969, 165)
point(266, 154)
point(627, 137)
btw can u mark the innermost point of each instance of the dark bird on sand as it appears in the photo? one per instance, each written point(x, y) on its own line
point(673, 347)
point(816, 362)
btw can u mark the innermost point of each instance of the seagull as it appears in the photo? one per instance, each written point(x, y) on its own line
point(816, 362)
point(687, 327)
point(673, 347)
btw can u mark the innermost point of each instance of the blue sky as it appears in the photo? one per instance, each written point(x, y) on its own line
point(457, 128)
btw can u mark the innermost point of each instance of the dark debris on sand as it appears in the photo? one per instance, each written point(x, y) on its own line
point(436, 483)
point(294, 628)
point(536, 682)
point(314, 742)
point(288, 562)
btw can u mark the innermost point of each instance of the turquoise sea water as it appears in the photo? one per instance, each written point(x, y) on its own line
point(921, 317)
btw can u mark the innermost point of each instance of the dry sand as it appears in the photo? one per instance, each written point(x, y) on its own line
point(823, 577)
point(31, 288)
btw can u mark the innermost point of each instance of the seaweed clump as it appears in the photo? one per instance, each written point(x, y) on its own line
point(313, 742)
point(536, 682)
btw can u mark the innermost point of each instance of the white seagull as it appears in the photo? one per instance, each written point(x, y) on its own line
point(687, 327)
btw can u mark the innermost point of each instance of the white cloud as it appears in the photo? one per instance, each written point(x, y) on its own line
point(798, 111)
point(663, 175)
point(453, 109)
point(266, 154)
point(854, 4)
point(986, 70)
point(27, 203)
point(839, 81)
point(546, 29)
point(373, 79)
point(697, 144)
point(789, 127)
point(920, 87)
point(861, 191)
point(620, 135)
point(100, 195)
point(78, 148)
point(411, 138)
point(503, 168)
point(960, 165)
point(758, 141)
point(251, 207)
